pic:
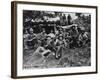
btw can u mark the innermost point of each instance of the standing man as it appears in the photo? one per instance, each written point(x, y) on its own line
point(69, 19)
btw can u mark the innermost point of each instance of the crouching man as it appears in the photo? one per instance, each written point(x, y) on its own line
point(43, 51)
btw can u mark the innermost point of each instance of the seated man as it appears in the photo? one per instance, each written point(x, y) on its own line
point(31, 39)
point(25, 39)
point(60, 43)
point(50, 45)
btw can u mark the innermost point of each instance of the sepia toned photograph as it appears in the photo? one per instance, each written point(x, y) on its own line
point(56, 39)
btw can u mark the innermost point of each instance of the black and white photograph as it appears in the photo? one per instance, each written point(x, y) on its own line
point(56, 39)
point(53, 39)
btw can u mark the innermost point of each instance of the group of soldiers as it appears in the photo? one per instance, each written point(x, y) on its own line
point(57, 41)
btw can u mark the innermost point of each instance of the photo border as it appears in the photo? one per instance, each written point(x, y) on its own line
point(14, 37)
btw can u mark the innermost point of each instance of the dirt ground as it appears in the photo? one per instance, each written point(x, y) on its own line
point(70, 58)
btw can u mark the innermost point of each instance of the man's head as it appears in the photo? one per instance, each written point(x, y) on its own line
point(31, 30)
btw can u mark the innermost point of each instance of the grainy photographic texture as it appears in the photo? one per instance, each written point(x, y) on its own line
point(54, 39)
